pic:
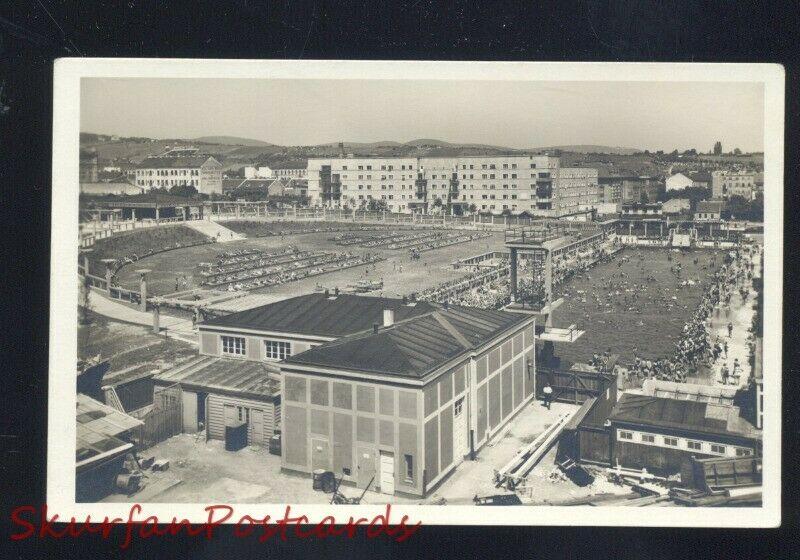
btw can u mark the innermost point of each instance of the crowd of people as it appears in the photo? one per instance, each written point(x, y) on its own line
point(698, 347)
point(287, 269)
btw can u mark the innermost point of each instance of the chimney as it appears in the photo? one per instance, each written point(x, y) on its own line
point(327, 292)
point(405, 300)
point(388, 317)
point(446, 304)
point(336, 291)
point(375, 327)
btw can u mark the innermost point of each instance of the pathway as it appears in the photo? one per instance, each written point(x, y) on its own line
point(214, 230)
point(740, 314)
point(175, 327)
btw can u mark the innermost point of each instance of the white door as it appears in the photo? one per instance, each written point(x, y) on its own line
point(387, 473)
point(460, 440)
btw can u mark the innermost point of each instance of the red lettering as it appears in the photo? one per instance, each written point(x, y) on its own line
point(16, 519)
point(211, 523)
point(46, 528)
point(149, 528)
point(129, 526)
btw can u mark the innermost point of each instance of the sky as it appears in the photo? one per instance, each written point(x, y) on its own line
point(519, 114)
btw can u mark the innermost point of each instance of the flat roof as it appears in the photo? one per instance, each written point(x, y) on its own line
point(319, 315)
point(415, 347)
point(688, 415)
point(98, 429)
point(225, 375)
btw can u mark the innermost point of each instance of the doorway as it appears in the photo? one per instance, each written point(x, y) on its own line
point(387, 472)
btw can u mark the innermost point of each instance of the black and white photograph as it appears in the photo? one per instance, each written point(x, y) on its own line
point(430, 285)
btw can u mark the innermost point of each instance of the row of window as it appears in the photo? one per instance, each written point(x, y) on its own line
point(681, 443)
point(168, 172)
point(237, 346)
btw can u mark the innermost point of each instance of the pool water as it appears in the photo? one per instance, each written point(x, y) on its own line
point(634, 304)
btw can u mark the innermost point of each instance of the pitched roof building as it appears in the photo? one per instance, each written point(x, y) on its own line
point(181, 167)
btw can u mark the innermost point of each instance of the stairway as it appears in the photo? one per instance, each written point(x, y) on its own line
point(214, 230)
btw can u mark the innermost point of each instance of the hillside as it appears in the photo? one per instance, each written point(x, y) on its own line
point(230, 140)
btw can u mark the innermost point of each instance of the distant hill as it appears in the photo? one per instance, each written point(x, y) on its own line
point(594, 149)
point(231, 140)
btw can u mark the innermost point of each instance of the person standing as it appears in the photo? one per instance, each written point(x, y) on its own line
point(548, 395)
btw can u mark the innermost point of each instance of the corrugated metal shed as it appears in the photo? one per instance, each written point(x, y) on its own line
point(225, 375)
point(99, 428)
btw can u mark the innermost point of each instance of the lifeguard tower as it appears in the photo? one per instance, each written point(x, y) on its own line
point(540, 243)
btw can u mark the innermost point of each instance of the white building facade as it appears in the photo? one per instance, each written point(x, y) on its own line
point(486, 184)
point(202, 172)
point(678, 181)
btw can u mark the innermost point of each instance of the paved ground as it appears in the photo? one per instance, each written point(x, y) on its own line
point(171, 326)
point(477, 477)
point(207, 473)
point(431, 269)
point(740, 315)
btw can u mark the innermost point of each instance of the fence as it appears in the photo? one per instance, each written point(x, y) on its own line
point(164, 420)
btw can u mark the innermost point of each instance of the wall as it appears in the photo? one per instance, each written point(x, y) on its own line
point(211, 343)
point(264, 422)
point(343, 416)
point(660, 458)
point(513, 354)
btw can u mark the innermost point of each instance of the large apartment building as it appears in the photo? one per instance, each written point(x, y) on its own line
point(184, 166)
point(488, 184)
point(725, 184)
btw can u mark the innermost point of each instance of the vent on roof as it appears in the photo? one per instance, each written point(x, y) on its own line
point(375, 327)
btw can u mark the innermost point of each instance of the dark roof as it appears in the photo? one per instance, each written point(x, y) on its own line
point(229, 375)
point(319, 315)
point(414, 347)
point(169, 162)
point(702, 417)
point(701, 177)
point(709, 206)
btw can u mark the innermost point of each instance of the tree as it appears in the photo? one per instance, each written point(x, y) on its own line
point(737, 208)
point(737, 152)
point(85, 301)
point(184, 191)
point(473, 208)
point(376, 205)
point(718, 148)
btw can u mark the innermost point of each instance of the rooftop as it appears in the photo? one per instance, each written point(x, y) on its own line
point(691, 415)
point(173, 162)
point(709, 206)
point(99, 428)
point(317, 314)
point(415, 347)
point(227, 375)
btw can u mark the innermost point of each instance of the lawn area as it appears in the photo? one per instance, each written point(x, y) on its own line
point(642, 312)
point(139, 242)
point(129, 346)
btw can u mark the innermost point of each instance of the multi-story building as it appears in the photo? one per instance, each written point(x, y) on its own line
point(486, 184)
point(184, 166)
point(88, 165)
point(388, 410)
point(725, 184)
point(291, 172)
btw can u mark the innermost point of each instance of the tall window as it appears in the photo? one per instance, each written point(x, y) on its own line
point(458, 407)
point(233, 345)
point(278, 350)
point(409, 461)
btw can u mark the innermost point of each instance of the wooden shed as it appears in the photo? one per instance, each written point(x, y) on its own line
point(220, 392)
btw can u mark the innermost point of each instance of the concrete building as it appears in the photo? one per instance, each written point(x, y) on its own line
point(660, 433)
point(181, 167)
point(402, 405)
point(88, 165)
point(725, 184)
point(536, 184)
point(261, 172)
point(708, 211)
point(278, 330)
point(641, 189)
point(676, 206)
point(290, 172)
